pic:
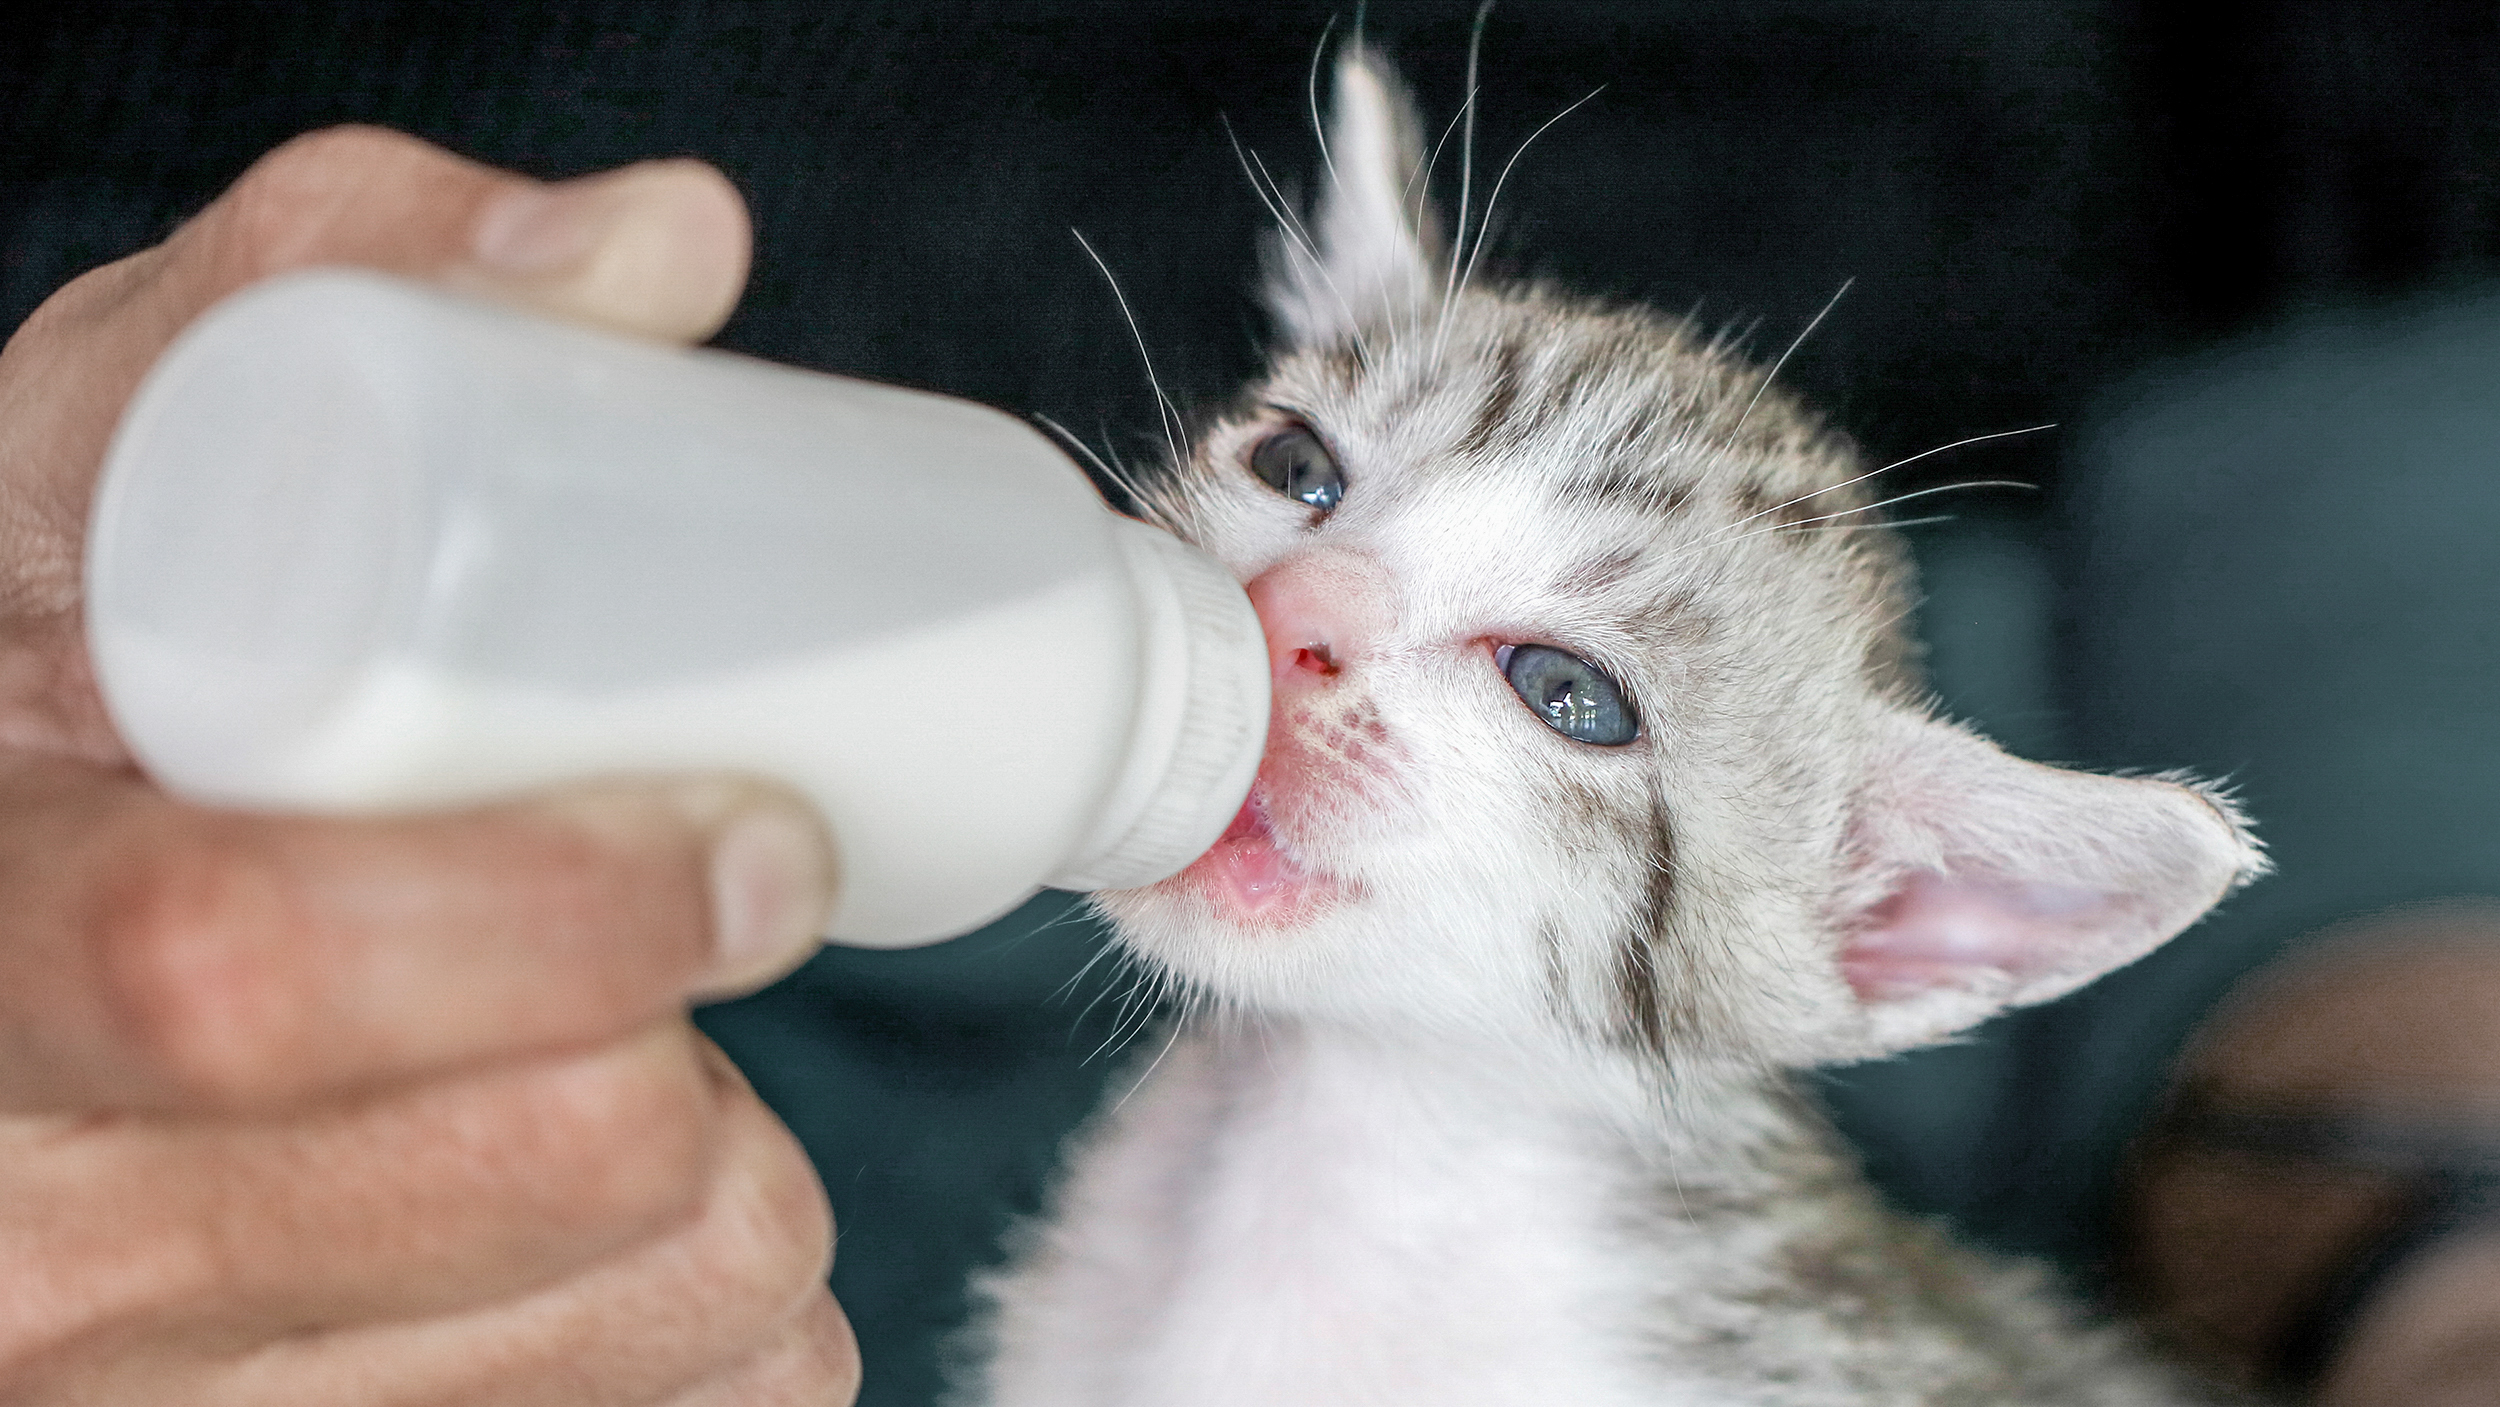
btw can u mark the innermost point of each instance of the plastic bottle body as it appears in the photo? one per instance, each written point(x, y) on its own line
point(361, 546)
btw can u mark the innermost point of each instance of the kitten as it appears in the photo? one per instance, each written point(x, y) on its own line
point(1601, 795)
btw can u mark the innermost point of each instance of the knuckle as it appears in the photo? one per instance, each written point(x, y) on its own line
point(75, 305)
point(812, 1362)
point(771, 1239)
point(618, 1140)
point(192, 946)
point(276, 215)
point(827, 1360)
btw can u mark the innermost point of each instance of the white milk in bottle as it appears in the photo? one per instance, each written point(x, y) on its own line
point(363, 545)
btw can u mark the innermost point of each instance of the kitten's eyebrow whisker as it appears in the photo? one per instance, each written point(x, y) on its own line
point(1871, 473)
point(1975, 439)
point(1887, 503)
point(1127, 485)
point(1263, 185)
point(1837, 295)
point(1466, 173)
point(1291, 225)
point(1467, 143)
point(1310, 89)
point(1904, 523)
point(1300, 231)
point(1496, 198)
point(1818, 493)
point(1171, 415)
point(1419, 181)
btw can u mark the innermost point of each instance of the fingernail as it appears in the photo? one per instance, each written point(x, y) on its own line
point(772, 890)
point(539, 230)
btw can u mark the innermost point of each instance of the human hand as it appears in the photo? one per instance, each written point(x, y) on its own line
point(398, 1110)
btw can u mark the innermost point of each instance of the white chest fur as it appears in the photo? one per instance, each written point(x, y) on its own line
point(1290, 1216)
point(1287, 1216)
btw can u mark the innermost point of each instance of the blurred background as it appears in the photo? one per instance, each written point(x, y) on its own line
point(2093, 214)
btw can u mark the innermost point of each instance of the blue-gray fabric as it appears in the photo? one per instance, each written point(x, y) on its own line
point(2282, 572)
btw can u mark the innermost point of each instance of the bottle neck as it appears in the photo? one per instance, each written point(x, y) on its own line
point(1201, 717)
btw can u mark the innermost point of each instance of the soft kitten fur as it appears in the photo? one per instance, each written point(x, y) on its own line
point(1488, 1100)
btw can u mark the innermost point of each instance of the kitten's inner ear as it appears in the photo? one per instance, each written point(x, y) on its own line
point(1980, 881)
point(1371, 257)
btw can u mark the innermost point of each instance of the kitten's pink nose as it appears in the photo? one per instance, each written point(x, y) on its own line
point(1320, 611)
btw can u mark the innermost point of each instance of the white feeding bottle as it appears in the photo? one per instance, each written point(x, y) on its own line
point(361, 545)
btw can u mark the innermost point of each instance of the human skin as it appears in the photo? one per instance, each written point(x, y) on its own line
point(384, 1110)
point(2388, 1018)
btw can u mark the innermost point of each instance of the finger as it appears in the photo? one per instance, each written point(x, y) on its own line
point(647, 1326)
point(813, 1362)
point(658, 248)
point(166, 956)
point(420, 1204)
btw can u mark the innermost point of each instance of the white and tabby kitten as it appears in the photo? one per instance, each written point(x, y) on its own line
point(1602, 794)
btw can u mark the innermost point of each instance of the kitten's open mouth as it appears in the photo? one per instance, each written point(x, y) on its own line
point(1245, 875)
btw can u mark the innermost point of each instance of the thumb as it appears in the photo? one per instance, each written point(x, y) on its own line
point(658, 248)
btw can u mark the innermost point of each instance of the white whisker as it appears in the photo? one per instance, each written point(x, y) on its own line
point(1864, 527)
point(1887, 503)
point(1119, 476)
point(1466, 149)
point(1975, 439)
point(1170, 1041)
point(1173, 426)
point(1271, 196)
point(1291, 226)
point(1774, 373)
point(1466, 176)
point(1310, 87)
point(1496, 198)
point(1419, 181)
point(1126, 991)
point(1871, 473)
point(1139, 1001)
point(1068, 988)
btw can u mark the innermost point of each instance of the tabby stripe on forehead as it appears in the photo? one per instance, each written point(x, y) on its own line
point(1591, 365)
point(1632, 436)
point(1346, 363)
point(1632, 488)
point(1501, 397)
point(1592, 575)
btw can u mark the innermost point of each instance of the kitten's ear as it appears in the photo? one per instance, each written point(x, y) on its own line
point(1978, 881)
point(1372, 253)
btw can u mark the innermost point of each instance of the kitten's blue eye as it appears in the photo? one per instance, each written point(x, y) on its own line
point(1294, 463)
point(1572, 696)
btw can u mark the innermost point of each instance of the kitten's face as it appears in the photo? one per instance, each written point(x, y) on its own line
point(1532, 473)
point(1592, 723)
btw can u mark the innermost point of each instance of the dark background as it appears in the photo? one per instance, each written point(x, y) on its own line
point(2032, 198)
point(2036, 202)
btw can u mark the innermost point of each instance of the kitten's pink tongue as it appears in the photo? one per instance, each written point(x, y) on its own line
point(1244, 870)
